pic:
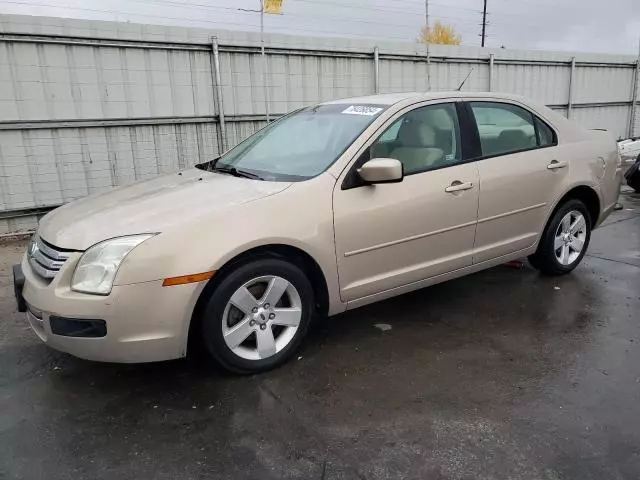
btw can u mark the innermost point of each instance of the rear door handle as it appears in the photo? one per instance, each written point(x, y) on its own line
point(458, 186)
point(555, 165)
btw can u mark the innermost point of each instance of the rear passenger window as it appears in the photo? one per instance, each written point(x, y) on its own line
point(506, 128)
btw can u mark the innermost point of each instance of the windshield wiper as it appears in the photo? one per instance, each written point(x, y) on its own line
point(237, 173)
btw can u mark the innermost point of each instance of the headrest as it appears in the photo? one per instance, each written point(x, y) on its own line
point(438, 118)
point(417, 134)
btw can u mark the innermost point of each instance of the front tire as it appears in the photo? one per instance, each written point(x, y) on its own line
point(258, 315)
point(565, 239)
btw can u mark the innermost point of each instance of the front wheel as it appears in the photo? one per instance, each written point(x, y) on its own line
point(258, 315)
point(564, 241)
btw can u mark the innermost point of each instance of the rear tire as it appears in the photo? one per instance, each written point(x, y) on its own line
point(257, 316)
point(564, 240)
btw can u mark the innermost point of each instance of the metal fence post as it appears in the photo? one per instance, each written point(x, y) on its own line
point(634, 100)
point(376, 69)
point(217, 95)
point(571, 75)
point(491, 60)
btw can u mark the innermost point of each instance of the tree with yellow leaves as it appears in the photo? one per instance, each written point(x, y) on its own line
point(440, 34)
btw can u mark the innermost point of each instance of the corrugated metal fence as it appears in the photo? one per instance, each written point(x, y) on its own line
point(88, 105)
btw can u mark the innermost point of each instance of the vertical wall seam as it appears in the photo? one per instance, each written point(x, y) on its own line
point(179, 146)
point(156, 148)
point(199, 145)
point(74, 87)
point(172, 83)
point(7, 204)
point(194, 84)
point(85, 154)
point(17, 86)
point(133, 143)
point(148, 77)
point(103, 93)
point(126, 77)
point(26, 143)
point(112, 156)
point(58, 162)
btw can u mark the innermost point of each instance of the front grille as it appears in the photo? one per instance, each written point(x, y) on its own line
point(45, 259)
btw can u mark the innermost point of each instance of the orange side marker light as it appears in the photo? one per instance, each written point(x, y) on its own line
point(184, 279)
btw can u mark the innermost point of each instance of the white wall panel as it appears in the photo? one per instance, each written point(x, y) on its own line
point(149, 108)
point(602, 84)
point(46, 167)
point(613, 119)
point(55, 82)
point(546, 84)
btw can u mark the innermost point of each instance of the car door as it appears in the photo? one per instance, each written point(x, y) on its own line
point(390, 235)
point(521, 173)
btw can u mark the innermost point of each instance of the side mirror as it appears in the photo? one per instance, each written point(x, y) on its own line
point(381, 170)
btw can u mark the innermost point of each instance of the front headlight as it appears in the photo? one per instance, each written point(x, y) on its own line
point(98, 266)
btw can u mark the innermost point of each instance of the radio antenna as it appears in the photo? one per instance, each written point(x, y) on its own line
point(465, 79)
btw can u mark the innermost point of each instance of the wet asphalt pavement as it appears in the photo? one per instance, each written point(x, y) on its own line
point(500, 375)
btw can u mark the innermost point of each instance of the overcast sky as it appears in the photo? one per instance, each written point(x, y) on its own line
point(611, 26)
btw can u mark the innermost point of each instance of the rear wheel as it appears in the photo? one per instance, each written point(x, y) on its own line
point(258, 315)
point(564, 241)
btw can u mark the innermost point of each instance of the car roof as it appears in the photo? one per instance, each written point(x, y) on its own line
point(393, 98)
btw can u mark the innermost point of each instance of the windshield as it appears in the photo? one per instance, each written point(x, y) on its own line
point(301, 145)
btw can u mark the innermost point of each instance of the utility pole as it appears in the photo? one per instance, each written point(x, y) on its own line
point(264, 60)
point(262, 56)
point(426, 13)
point(484, 22)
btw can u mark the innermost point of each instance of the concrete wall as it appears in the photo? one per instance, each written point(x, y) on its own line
point(88, 105)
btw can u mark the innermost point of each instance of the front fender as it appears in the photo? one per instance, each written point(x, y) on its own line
point(300, 217)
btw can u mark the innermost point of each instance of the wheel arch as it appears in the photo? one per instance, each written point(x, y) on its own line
point(295, 255)
point(587, 195)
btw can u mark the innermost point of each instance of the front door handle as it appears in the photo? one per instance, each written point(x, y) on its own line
point(458, 186)
point(555, 165)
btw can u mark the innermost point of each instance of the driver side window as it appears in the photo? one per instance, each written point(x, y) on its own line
point(423, 139)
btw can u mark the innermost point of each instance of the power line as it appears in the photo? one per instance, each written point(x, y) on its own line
point(279, 29)
point(231, 9)
point(208, 22)
point(198, 6)
point(210, 7)
point(321, 2)
point(325, 3)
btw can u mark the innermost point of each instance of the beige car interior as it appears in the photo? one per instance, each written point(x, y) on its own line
point(417, 150)
point(502, 130)
point(508, 140)
point(426, 138)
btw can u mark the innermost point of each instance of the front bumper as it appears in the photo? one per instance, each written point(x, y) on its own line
point(145, 322)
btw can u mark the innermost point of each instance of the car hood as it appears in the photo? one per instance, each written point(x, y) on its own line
point(150, 206)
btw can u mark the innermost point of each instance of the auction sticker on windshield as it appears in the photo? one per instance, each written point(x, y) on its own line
point(362, 110)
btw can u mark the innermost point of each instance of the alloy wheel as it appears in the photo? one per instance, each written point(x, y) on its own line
point(570, 237)
point(261, 317)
